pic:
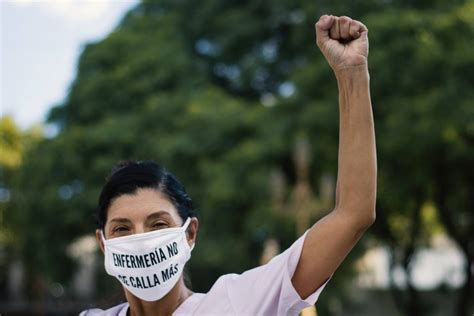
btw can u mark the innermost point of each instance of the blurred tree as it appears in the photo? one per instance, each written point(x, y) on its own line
point(423, 72)
point(184, 82)
point(14, 144)
point(147, 91)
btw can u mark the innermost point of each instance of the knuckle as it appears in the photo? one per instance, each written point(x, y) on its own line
point(345, 19)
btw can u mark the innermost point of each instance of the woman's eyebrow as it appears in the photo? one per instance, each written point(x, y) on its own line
point(120, 220)
point(158, 214)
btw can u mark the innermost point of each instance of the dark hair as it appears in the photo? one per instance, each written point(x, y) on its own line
point(129, 176)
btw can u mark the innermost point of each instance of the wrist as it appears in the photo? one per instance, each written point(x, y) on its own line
point(358, 72)
point(352, 77)
point(353, 81)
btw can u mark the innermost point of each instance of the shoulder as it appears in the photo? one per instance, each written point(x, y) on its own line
point(264, 290)
point(118, 310)
point(268, 289)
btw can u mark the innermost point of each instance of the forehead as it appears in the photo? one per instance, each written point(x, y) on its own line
point(136, 207)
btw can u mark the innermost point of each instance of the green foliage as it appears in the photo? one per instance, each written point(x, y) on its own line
point(183, 83)
point(423, 103)
point(422, 76)
point(14, 145)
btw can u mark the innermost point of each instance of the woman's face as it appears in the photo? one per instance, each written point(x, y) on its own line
point(141, 212)
point(144, 211)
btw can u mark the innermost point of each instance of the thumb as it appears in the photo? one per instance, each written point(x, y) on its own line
point(322, 28)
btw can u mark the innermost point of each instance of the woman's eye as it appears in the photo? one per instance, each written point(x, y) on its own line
point(121, 229)
point(158, 225)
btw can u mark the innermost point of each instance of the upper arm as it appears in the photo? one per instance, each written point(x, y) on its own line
point(326, 245)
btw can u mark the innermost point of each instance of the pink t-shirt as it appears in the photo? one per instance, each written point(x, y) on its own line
point(265, 290)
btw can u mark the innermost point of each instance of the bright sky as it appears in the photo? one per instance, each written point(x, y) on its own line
point(40, 42)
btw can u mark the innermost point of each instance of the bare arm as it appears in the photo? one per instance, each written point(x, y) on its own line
point(344, 43)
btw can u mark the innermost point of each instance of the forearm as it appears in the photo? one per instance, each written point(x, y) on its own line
point(357, 165)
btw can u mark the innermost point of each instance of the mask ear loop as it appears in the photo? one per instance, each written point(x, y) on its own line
point(185, 229)
point(186, 223)
point(102, 235)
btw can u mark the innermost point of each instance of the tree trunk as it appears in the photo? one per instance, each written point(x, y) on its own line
point(414, 302)
point(463, 239)
point(465, 306)
point(408, 301)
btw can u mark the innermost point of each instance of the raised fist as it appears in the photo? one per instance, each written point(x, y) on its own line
point(342, 41)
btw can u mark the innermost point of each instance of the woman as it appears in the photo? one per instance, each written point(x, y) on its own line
point(148, 227)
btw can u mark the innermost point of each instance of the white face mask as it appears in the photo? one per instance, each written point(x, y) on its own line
point(148, 264)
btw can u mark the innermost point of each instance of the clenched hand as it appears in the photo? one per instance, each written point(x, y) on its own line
point(343, 41)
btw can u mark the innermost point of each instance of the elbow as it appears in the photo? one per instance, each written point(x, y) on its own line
point(365, 212)
point(362, 219)
point(361, 215)
point(362, 223)
point(367, 216)
point(368, 220)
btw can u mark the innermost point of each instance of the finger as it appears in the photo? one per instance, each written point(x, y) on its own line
point(354, 29)
point(322, 28)
point(344, 27)
point(334, 30)
point(363, 28)
point(359, 26)
point(363, 35)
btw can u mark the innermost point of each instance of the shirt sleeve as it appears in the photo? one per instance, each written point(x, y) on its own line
point(268, 290)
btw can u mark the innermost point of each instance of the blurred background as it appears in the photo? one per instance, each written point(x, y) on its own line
point(236, 100)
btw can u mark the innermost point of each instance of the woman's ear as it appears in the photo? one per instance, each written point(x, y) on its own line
point(98, 236)
point(192, 231)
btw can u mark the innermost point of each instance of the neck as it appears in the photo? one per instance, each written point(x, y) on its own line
point(163, 307)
